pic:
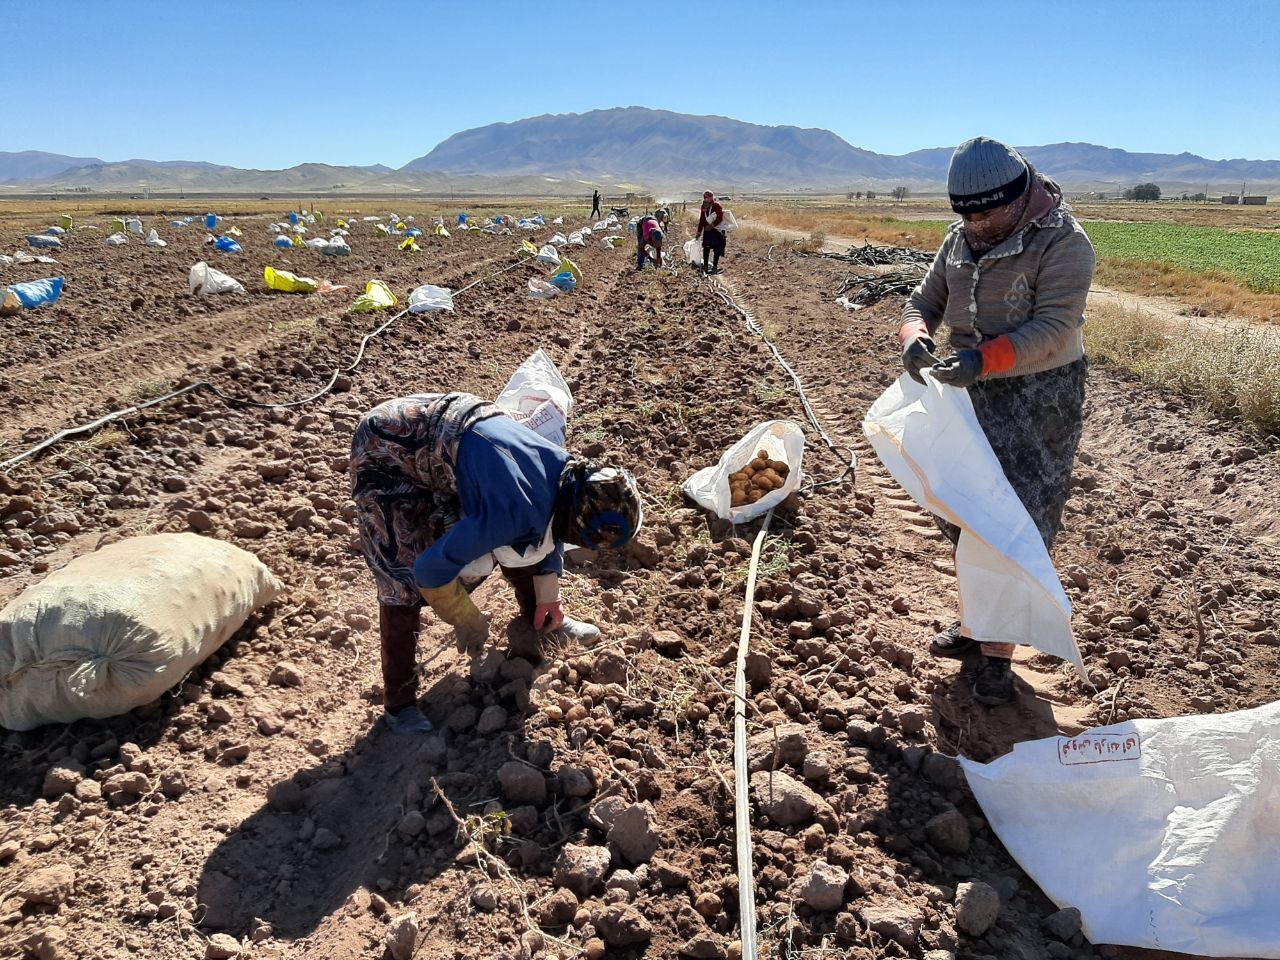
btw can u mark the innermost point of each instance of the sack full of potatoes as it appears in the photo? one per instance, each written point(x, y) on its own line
point(755, 475)
point(115, 629)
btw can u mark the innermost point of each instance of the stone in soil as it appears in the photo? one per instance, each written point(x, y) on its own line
point(48, 886)
point(558, 908)
point(522, 783)
point(222, 946)
point(824, 888)
point(897, 921)
point(786, 801)
point(703, 946)
point(622, 925)
point(581, 869)
point(62, 778)
point(949, 832)
point(977, 906)
point(47, 944)
point(633, 834)
point(402, 936)
point(1064, 924)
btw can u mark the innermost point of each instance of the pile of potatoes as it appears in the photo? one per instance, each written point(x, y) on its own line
point(756, 479)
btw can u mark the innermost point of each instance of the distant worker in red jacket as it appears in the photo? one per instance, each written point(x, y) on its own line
point(711, 230)
point(649, 233)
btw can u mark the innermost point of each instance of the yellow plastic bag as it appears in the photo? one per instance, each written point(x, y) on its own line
point(527, 249)
point(287, 282)
point(377, 296)
point(297, 240)
point(342, 223)
point(567, 264)
point(235, 232)
point(409, 245)
point(440, 231)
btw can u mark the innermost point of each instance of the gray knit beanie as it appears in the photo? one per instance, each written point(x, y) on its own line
point(985, 174)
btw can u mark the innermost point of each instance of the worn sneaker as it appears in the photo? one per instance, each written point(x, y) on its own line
point(408, 721)
point(949, 643)
point(577, 631)
point(994, 683)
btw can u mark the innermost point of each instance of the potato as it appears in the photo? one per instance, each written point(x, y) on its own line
point(761, 482)
point(762, 455)
point(739, 477)
point(754, 495)
point(778, 467)
point(775, 481)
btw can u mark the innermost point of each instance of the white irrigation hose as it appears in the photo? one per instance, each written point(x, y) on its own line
point(741, 781)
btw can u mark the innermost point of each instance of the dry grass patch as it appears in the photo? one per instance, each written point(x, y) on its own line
point(1233, 372)
point(920, 234)
point(1206, 294)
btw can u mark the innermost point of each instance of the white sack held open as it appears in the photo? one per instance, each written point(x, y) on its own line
point(1162, 833)
point(929, 438)
point(709, 487)
point(115, 629)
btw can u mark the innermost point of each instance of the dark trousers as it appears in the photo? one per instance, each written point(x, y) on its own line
point(398, 628)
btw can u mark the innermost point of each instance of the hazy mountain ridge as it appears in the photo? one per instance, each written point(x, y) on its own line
point(623, 147)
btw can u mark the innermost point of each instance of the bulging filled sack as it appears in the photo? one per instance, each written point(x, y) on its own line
point(115, 629)
point(782, 441)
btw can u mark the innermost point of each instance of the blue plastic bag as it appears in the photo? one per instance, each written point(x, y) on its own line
point(210, 220)
point(564, 281)
point(36, 293)
point(226, 245)
point(283, 243)
point(462, 218)
point(40, 242)
point(293, 218)
point(55, 232)
point(413, 232)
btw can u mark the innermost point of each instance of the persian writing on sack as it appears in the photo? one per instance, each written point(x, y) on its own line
point(1098, 748)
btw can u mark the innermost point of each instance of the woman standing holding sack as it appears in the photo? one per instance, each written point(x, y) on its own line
point(1010, 281)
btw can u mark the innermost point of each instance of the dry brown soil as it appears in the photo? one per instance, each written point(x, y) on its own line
point(274, 811)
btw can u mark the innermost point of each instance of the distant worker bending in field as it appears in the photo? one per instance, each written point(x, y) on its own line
point(446, 484)
point(595, 205)
point(711, 230)
point(649, 234)
point(1010, 281)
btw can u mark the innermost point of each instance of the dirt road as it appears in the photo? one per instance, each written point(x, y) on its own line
point(596, 784)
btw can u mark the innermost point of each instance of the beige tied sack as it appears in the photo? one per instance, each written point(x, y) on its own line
point(115, 629)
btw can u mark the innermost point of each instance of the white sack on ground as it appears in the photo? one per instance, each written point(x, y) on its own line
point(538, 397)
point(929, 438)
point(541, 290)
point(1162, 833)
point(709, 487)
point(693, 251)
point(204, 281)
point(429, 299)
point(114, 629)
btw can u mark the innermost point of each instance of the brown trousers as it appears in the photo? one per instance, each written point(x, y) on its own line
point(399, 625)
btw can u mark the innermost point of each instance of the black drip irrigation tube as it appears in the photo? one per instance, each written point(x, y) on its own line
point(232, 401)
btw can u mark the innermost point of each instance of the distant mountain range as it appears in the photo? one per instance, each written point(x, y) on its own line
point(628, 148)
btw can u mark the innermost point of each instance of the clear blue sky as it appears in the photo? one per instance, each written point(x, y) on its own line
point(255, 83)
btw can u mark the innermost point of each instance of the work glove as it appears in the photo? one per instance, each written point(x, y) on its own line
point(962, 370)
point(918, 354)
point(549, 614)
point(454, 606)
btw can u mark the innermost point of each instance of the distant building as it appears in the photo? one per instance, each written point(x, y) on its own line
point(1230, 198)
point(1254, 201)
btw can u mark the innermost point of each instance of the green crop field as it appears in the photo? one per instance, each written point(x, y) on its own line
point(1252, 256)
